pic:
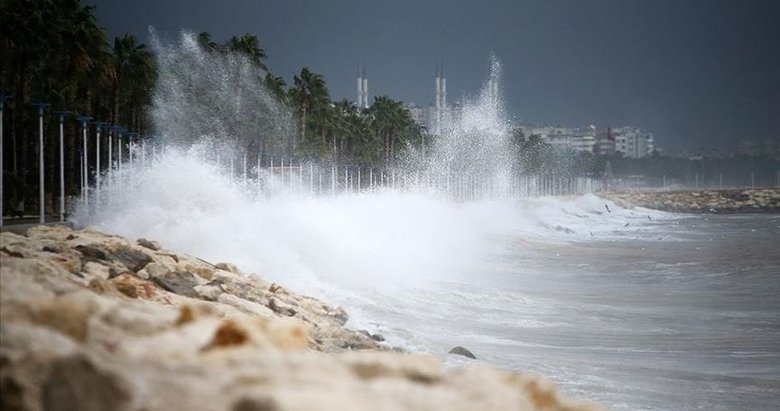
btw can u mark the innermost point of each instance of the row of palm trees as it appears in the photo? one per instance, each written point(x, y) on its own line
point(326, 129)
point(53, 51)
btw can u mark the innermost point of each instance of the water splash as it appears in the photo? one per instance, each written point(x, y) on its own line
point(217, 96)
point(387, 228)
point(474, 151)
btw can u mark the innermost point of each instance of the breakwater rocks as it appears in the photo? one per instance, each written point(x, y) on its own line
point(97, 322)
point(702, 201)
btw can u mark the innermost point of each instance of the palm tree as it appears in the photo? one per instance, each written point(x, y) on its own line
point(277, 86)
point(391, 123)
point(133, 78)
point(309, 94)
point(249, 46)
point(49, 50)
point(206, 43)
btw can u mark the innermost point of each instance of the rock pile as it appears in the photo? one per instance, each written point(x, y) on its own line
point(96, 322)
point(703, 201)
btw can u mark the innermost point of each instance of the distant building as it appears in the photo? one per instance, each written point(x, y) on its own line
point(605, 142)
point(633, 142)
point(579, 139)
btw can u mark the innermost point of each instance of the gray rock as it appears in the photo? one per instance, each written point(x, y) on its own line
point(152, 245)
point(377, 337)
point(134, 260)
point(178, 282)
point(462, 351)
point(92, 252)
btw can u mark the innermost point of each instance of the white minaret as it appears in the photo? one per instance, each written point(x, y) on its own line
point(359, 89)
point(443, 89)
point(365, 88)
point(438, 89)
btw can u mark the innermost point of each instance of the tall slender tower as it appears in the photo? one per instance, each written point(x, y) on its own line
point(443, 88)
point(359, 89)
point(438, 89)
point(365, 88)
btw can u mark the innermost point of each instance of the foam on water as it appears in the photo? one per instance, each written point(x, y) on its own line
point(363, 240)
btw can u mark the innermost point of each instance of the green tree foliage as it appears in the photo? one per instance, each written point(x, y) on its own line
point(54, 51)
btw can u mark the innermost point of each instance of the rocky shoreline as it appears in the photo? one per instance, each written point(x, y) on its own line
point(701, 201)
point(92, 321)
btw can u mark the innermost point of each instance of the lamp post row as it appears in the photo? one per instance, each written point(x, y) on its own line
point(112, 131)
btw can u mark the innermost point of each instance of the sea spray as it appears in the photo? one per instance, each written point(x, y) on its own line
point(365, 248)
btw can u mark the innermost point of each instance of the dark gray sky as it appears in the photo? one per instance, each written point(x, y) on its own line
point(696, 73)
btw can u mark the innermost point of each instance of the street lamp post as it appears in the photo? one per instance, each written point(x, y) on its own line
point(3, 98)
point(85, 163)
point(99, 125)
point(61, 114)
point(41, 206)
point(120, 131)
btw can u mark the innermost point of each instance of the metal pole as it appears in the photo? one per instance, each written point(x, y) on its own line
point(3, 98)
point(333, 180)
point(62, 115)
point(81, 176)
point(41, 170)
point(99, 124)
point(119, 150)
point(110, 135)
point(311, 178)
point(85, 163)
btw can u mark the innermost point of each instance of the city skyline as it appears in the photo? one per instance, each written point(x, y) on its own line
point(696, 74)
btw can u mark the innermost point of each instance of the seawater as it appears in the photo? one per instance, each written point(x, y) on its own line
point(635, 308)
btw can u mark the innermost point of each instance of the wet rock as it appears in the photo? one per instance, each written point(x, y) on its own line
point(229, 268)
point(458, 350)
point(280, 308)
point(134, 260)
point(77, 384)
point(178, 282)
point(92, 252)
point(152, 245)
point(11, 253)
point(340, 315)
point(377, 337)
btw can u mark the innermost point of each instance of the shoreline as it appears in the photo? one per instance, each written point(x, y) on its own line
point(727, 201)
point(96, 321)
